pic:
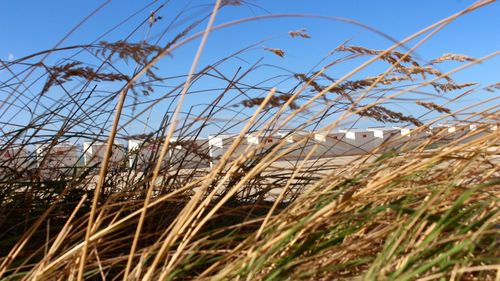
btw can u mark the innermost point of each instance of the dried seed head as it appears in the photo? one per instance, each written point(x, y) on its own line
point(277, 52)
point(454, 57)
point(433, 106)
point(450, 86)
point(64, 73)
point(299, 33)
point(274, 102)
point(492, 88)
point(392, 57)
point(384, 115)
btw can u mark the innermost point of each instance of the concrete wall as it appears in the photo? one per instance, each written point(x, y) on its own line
point(60, 159)
point(267, 143)
point(93, 154)
point(414, 137)
point(389, 138)
point(298, 150)
point(362, 141)
point(14, 159)
point(332, 144)
point(219, 144)
point(189, 153)
point(144, 153)
point(476, 131)
point(201, 153)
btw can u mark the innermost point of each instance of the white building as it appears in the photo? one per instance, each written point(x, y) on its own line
point(219, 144)
point(93, 154)
point(363, 141)
point(476, 131)
point(333, 144)
point(451, 132)
point(57, 160)
point(185, 153)
point(189, 153)
point(145, 152)
point(414, 136)
point(291, 139)
point(14, 159)
point(387, 136)
point(287, 140)
point(489, 128)
point(466, 132)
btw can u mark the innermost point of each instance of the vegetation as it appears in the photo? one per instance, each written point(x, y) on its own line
point(413, 208)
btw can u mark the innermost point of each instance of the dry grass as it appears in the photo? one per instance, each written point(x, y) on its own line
point(413, 208)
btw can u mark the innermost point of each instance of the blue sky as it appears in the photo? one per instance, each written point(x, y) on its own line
point(30, 26)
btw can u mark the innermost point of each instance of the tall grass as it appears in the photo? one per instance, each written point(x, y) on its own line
point(413, 208)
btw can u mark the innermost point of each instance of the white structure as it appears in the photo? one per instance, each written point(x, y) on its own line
point(333, 144)
point(476, 131)
point(459, 130)
point(451, 132)
point(266, 143)
point(388, 137)
point(412, 132)
point(490, 128)
point(143, 152)
point(363, 141)
point(93, 154)
point(219, 144)
point(414, 136)
point(189, 153)
point(297, 151)
point(13, 158)
point(186, 153)
point(465, 132)
point(59, 159)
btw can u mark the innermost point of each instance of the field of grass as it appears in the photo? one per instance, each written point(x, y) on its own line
point(425, 209)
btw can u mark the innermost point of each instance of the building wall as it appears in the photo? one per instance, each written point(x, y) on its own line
point(190, 154)
point(267, 143)
point(60, 159)
point(94, 154)
point(389, 138)
point(333, 144)
point(298, 150)
point(362, 141)
point(412, 137)
point(219, 144)
point(14, 159)
point(145, 152)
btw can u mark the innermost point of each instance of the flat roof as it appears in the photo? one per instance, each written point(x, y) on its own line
point(382, 129)
point(354, 130)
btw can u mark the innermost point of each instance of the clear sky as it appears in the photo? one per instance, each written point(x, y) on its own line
point(30, 26)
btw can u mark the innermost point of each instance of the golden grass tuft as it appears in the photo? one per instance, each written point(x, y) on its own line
point(421, 206)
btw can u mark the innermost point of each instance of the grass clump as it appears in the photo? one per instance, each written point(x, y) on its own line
point(418, 206)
